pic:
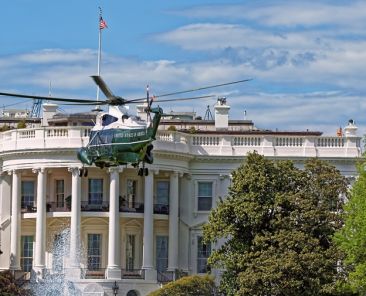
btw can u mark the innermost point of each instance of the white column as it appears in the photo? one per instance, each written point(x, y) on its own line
point(173, 222)
point(75, 218)
point(40, 249)
point(114, 244)
point(15, 222)
point(148, 248)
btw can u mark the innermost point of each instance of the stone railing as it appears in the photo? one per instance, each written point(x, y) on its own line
point(270, 144)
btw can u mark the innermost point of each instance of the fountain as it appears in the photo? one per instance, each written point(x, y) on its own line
point(56, 281)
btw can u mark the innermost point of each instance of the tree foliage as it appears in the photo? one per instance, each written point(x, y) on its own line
point(188, 286)
point(352, 237)
point(277, 224)
point(8, 286)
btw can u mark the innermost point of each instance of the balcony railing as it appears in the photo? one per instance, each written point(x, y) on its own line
point(304, 144)
point(95, 207)
point(57, 207)
point(161, 209)
point(131, 207)
point(95, 273)
point(133, 274)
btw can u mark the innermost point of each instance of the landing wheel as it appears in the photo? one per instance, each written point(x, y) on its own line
point(140, 172)
point(85, 172)
point(81, 172)
point(146, 171)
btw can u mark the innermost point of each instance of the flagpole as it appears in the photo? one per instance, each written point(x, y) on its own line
point(97, 108)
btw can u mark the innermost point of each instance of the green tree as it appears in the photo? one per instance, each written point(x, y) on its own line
point(8, 286)
point(188, 286)
point(22, 124)
point(277, 224)
point(352, 237)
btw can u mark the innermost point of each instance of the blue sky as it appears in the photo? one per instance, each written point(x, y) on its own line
point(307, 58)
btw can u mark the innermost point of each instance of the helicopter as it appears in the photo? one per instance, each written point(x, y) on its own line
point(119, 138)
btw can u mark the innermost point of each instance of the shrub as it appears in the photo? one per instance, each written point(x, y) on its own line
point(188, 286)
point(22, 124)
point(172, 128)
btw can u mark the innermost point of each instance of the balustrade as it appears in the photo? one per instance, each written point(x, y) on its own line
point(75, 137)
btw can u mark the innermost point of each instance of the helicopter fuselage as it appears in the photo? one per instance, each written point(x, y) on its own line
point(113, 144)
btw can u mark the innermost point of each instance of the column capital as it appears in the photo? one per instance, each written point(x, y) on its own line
point(177, 174)
point(38, 170)
point(188, 176)
point(74, 170)
point(117, 169)
point(13, 172)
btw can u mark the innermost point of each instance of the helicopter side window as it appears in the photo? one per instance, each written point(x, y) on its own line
point(124, 117)
point(108, 119)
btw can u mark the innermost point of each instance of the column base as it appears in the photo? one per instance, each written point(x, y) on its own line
point(39, 271)
point(113, 273)
point(150, 274)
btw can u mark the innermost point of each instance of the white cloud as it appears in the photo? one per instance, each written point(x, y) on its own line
point(286, 13)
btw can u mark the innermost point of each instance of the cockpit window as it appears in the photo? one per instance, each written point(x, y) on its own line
point(108, 119)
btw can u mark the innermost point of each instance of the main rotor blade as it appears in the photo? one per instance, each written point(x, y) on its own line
point(184, 99)
point(47, 98)
point(99, 103)
point(137, 101)
point(103, 86)
point(201, 88)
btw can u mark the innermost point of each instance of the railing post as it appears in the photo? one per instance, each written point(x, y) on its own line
point(267, 145)
point(310, 149)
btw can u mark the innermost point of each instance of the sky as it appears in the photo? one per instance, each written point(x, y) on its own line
point(306, 59)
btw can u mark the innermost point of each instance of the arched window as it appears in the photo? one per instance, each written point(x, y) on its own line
point(132, 293)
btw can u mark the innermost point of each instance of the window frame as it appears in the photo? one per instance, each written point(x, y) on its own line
point(95, 198)
point(198, 196)
point(94, 261)
point(26, 261)
point(202, 255)
point(60, 196)
point(31, 199)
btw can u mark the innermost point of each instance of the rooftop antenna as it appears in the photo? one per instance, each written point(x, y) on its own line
point(208, 114)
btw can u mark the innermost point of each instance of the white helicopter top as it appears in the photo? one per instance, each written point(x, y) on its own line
point(119, 118)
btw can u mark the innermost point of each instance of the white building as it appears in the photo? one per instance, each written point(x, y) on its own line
point(134, 230)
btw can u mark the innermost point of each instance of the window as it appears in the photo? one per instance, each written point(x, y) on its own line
point(94, 251)
point(162, 192)
point(108, 119)
point(26, 255)
point(96, 191)
point(131, 192)
point(27, 194)
point(60, 193)
point(203, 252)
point(130, 252)
point(161, 253)
point(204, 196)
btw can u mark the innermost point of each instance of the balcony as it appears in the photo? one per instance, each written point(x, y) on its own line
point(94, 207)
point(125, 207)
point(133, 274)
point(268, 143)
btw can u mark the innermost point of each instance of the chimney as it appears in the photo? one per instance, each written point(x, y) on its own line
point(48, 111)
point(221, 114)
point(351, 129)
point(140, 111)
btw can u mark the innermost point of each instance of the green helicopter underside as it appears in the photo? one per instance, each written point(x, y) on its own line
point(112, 147)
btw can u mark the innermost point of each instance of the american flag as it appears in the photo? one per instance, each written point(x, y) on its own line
point(102, 24)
